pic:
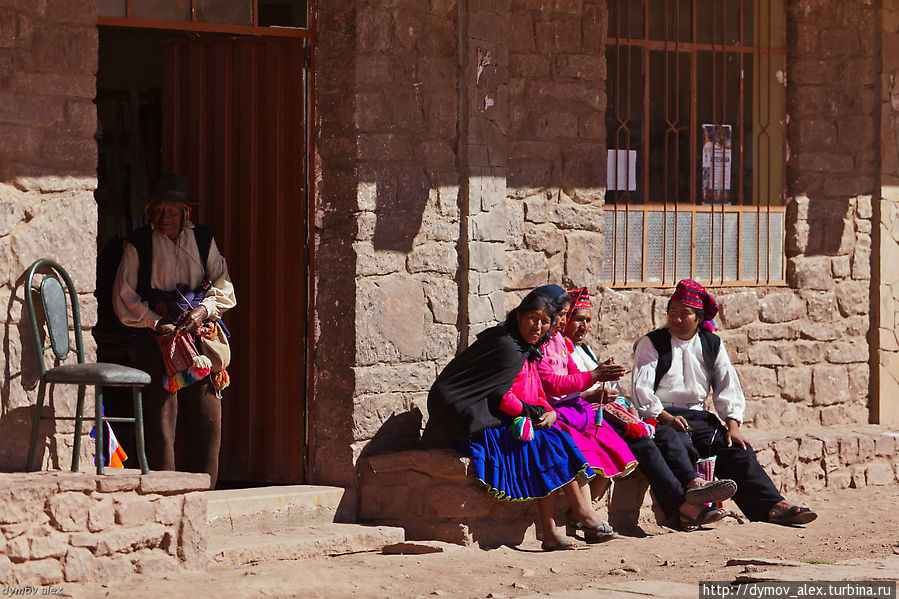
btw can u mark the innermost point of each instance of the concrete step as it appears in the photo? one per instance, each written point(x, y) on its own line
point(264, 509)
point(228, 550)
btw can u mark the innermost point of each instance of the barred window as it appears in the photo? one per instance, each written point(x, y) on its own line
point(695, 130)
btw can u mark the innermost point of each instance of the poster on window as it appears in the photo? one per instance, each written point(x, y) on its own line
point(716, 163)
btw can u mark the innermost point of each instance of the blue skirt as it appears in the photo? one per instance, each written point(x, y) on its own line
point(514, 470)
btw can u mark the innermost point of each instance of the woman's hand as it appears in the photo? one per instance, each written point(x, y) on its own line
point(546, 420)
point(678, 423)
point(607, 371)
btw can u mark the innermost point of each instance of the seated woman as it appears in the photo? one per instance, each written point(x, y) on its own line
point(681, 492)
point(675, 368)
point(489, 398)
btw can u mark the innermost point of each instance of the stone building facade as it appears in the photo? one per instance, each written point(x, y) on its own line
point(460, 160)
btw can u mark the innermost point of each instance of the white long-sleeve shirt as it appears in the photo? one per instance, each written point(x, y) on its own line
point(687, 383)
point(174, 262)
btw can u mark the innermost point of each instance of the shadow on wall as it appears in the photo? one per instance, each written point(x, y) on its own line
point(21, 376)
point(400, 432)
point(400, 199)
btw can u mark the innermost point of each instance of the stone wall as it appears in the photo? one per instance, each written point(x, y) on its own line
point(68, 526)
point(387, 224)
point(48, 162)
point(434, 495)
point(886, 356)
point(802, 350)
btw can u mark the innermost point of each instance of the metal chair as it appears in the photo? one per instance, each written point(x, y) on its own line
point(99, 374)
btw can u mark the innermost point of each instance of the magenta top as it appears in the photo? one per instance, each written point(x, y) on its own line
point(559, 374)
point(526, 389)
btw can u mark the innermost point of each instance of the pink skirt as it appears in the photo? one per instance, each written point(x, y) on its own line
point(605, 450)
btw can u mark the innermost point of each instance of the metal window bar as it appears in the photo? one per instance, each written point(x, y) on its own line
point(734, 35)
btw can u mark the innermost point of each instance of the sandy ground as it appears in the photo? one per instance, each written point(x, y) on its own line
point(855, 537)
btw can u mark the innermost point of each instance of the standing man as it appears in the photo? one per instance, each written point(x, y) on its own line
point(675, 369)
point(173, 286)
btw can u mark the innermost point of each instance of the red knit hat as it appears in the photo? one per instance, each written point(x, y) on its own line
point(580, 299)
point(692, 294)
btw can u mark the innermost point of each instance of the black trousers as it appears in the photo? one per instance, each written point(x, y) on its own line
point(194, 445)
point(668, 481)
point(756, 492)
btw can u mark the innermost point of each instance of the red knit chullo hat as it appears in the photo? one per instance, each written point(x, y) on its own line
point(580, 299)
point(692, 294)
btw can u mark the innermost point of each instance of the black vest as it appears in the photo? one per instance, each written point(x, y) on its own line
point(661, 340)
point(142, 240)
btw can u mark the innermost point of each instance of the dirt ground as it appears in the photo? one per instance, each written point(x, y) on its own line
point(860, 526)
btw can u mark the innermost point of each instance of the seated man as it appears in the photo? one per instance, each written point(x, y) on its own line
point(675, 368)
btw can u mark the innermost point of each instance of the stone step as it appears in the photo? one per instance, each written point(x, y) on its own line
point(228, 550)
point(264, 509)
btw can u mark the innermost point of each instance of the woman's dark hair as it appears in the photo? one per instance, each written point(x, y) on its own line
point(700, 314)
point(535, 300)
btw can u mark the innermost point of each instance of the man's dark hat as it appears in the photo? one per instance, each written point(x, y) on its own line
point(171, 188)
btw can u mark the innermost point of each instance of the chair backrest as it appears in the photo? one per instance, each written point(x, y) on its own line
point(53, 294)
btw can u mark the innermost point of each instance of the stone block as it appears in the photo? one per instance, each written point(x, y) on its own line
point(150, 561)
point(839, 479)
point(830, 385)
point(133, 510)
point(19, 549)
point(53, 545)
point(101, 514)
point(386, 503)
point(526, 270)
point(810, 476)
point(112, 569)
point(847, 352)
point(584, 257)
point(442, 297)
point(795, 382)
point(786, 451)
point(544, 238)
point(116, 483)
point(6, 568)
point(22, 502)
point(78, 565)
point(69, 511)
point(124, 540)
point(394, 378)
point(192, 535)
point(772, 354)
point(879, 473)
point(820, 306)
point(849, 449)
point(820, 331)
point(810, 449)
point(765, 457)
point(865, 448)
point(852, 297)
point(84, 539)
point(810, 272)
point(769, 332)
point(781, 307)
point(465, 502)
point(37, 572)
point(858, 473)
point(758, 381)
point(885, 445)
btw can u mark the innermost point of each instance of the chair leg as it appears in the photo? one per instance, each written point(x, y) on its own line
point(79, 416)
point(99, 430)
point(139, 430)
point(36, 425)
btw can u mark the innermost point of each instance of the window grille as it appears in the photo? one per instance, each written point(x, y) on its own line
point(695, 130)
point(281, 17)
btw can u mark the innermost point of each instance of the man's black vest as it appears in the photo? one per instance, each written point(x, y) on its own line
point(142, 240)
point(661, 340)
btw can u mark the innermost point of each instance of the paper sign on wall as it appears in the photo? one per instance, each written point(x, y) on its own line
point(621, 170)
point(716, 163)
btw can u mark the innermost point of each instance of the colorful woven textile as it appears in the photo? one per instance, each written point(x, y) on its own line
point(183, 364)
point(580, 299)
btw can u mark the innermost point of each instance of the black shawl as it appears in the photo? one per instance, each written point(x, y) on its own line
point(465, 398)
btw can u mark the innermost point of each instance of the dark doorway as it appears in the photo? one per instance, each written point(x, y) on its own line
point(229, 113)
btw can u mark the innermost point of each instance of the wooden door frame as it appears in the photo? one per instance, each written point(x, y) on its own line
point(308, 35)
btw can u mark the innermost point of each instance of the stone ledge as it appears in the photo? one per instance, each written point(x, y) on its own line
point(77, 526)
point(433, 495)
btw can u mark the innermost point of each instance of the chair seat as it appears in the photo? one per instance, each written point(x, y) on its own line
point(98, 373)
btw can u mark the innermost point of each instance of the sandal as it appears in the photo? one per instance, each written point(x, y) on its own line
point(706, 516)
point(794, 516)
point(600, 533)
point(711, 492)
point(560, 546)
